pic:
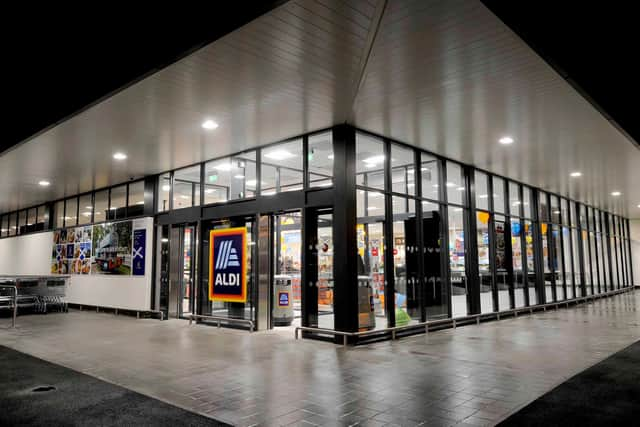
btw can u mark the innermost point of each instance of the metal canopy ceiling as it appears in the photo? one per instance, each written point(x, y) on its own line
point(443, 75)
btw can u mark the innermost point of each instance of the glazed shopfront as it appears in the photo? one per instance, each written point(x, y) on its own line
point(347, 231)
point(351, 232)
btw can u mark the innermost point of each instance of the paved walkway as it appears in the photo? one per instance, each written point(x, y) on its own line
point(473, 375)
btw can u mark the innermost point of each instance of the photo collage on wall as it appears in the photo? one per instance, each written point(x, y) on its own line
point(72, 251)
point(105, 249)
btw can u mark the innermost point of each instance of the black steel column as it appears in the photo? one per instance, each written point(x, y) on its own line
point(345, 272)
point(389, 270)
point(538, 256)
point(422, 282)
point(508, 249)
point(492, 245)
point(471, 243)
point(309, 262)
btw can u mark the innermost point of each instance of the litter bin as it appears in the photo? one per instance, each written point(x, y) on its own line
point(283, 303)
point(366, 315)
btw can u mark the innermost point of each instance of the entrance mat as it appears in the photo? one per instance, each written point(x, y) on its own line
point(34, 392)
point(608, 393)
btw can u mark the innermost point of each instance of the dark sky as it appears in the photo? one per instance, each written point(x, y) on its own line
point(593, 44)
point(55, 62)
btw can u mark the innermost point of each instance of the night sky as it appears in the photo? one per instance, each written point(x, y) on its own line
point(56, 61)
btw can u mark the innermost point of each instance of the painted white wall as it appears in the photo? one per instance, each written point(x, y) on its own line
point(634, 234)
point(31, 255)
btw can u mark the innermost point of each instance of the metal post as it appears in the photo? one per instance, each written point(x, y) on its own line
point(15, 306)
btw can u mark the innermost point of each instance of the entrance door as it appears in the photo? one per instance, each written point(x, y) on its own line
point(182, 249)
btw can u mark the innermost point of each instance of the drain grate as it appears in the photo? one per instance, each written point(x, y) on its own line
point(43, 388)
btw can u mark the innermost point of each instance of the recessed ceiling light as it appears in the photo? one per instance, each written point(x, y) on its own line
point(639, 206)
point(113, 208)
point(88, 207)
point(460, 188)
point(166, 188)
point(576, 174)
point(238, 176)
point(165, 240)
point(616, 193)
point(330, 157)
point(556, 212)
point(450, 184)
point(120, 156)
point(209, 190)
point(141, 202)
point(506, 140)
point(209, 125)
point(483, 196)
point(44, 183)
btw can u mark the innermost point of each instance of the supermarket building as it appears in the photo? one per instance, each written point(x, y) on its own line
point(368, 168)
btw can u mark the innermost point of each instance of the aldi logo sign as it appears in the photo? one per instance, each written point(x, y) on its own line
point(228, 265)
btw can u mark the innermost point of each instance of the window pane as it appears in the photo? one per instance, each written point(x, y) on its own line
point(43, 217)
point(405, 262)
point(436, 299)
point(430, 169)
point(457, 252)
point(186, 187)
point(515, 204)
point(572, 212)
point(568, 261)
point(564, 211)
point(498, 195)
point(402, 170)
point(71, 212)
point(455, 183)
point(526, 201)
point(502, 277)
point(555, 209)
point(13, 229)
point(543, 207)
point(164, 187)
point(557, 262)
point(320, 160)
point(230, 178)
point(118, 202)
point(518, 271)
point(281, 168)
point(482, 190)
point(546, 261)
point(101, 207)
point(484, 266)
point(86, 209)
point(370, 240)
point(370, 204)
point(531, 272)
point(59, 213)
point(32, 218)
point(4, 226)
point(135, 204)
point(369, 161)
point(577, 272)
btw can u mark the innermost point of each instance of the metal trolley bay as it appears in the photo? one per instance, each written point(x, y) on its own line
point(39, 294)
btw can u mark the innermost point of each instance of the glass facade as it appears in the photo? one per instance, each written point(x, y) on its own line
point(434, 238)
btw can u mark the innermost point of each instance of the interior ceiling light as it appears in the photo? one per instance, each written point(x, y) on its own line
point(44, 183)
point(330, 157)
point(450, 184)
point(120, 156)
point(576, 174)
point(166, 188)
point(223, 167)
point(616, 193)
point(238, 176)
point(506, 140)
point(279, 155)
point(374, 160)
point(209, 125)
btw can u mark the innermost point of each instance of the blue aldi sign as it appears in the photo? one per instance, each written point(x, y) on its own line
point(228, 265)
